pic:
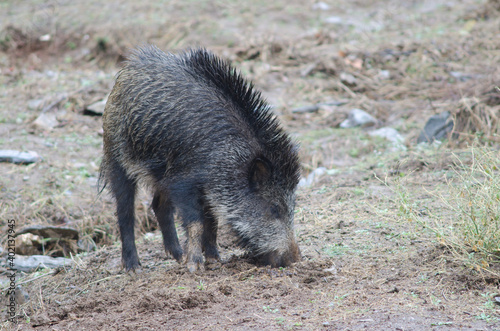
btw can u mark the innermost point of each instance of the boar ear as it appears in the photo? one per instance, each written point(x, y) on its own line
point(260, 172)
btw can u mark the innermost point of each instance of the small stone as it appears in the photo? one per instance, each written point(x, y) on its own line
point(384, 74)
point(312, 177)
point(461, 76)
point(33, 262)
point(437, 128)
point(392, 135)
point(318, 106)
point(348, 79)
point(45, 37)
point(46, 121)
point(17, 157)
point(334, 20)
point(332, 270)
point(320, 6)
point(21, 295)
point(358, 117)
point(48, 231)
point(28, 244)
point(306, 109)
point(97, 108)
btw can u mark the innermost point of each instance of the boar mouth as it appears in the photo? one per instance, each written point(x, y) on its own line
point(276, 259)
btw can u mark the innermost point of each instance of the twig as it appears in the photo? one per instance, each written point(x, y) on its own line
point(348, 90)
point(232, 276)
point(32, 279)
point(96, 281)
point(61, 97)
point(315, 107)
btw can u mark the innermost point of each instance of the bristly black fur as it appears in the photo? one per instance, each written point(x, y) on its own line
point(250, 102)
point(206, 143)
point(202, 65)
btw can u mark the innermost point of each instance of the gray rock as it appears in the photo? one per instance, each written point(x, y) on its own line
point(384, 74)
point(306, 109)
point(33, 262)
point(47, 231)
point(316, 107)
point(358, 117)
point(462, 76)
point(334, 20)
point(321, 6)
point(312, 177)
point(46, 121)
point(17, 157)
point(21, 295)
point(96, 108)
point(28, 244)
point(348, 79)
point(392, 135)
point(437, 128)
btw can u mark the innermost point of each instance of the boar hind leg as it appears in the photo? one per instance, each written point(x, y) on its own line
point(194, 258)
point(187, 199)
point(164, 212)
point(209, 237)
point(123, 189)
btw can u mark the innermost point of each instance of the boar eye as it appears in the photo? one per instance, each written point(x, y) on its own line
point(275, 211)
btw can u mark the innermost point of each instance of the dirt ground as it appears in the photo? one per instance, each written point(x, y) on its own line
point(364, 267)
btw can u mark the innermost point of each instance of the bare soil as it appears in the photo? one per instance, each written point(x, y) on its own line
point(364, 266)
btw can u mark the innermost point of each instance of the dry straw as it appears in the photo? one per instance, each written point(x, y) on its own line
point(467, 219)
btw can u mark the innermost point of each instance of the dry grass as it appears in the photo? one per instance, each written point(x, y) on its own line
point(466, 217)
point(475, 119)
point(360, 263)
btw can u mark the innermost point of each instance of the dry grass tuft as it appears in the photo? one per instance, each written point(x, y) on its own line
point(476, 118)
point(468, 221)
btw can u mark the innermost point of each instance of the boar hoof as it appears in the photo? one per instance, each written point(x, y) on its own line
point(194, 266)
point(212, 260)
point(134, 266)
